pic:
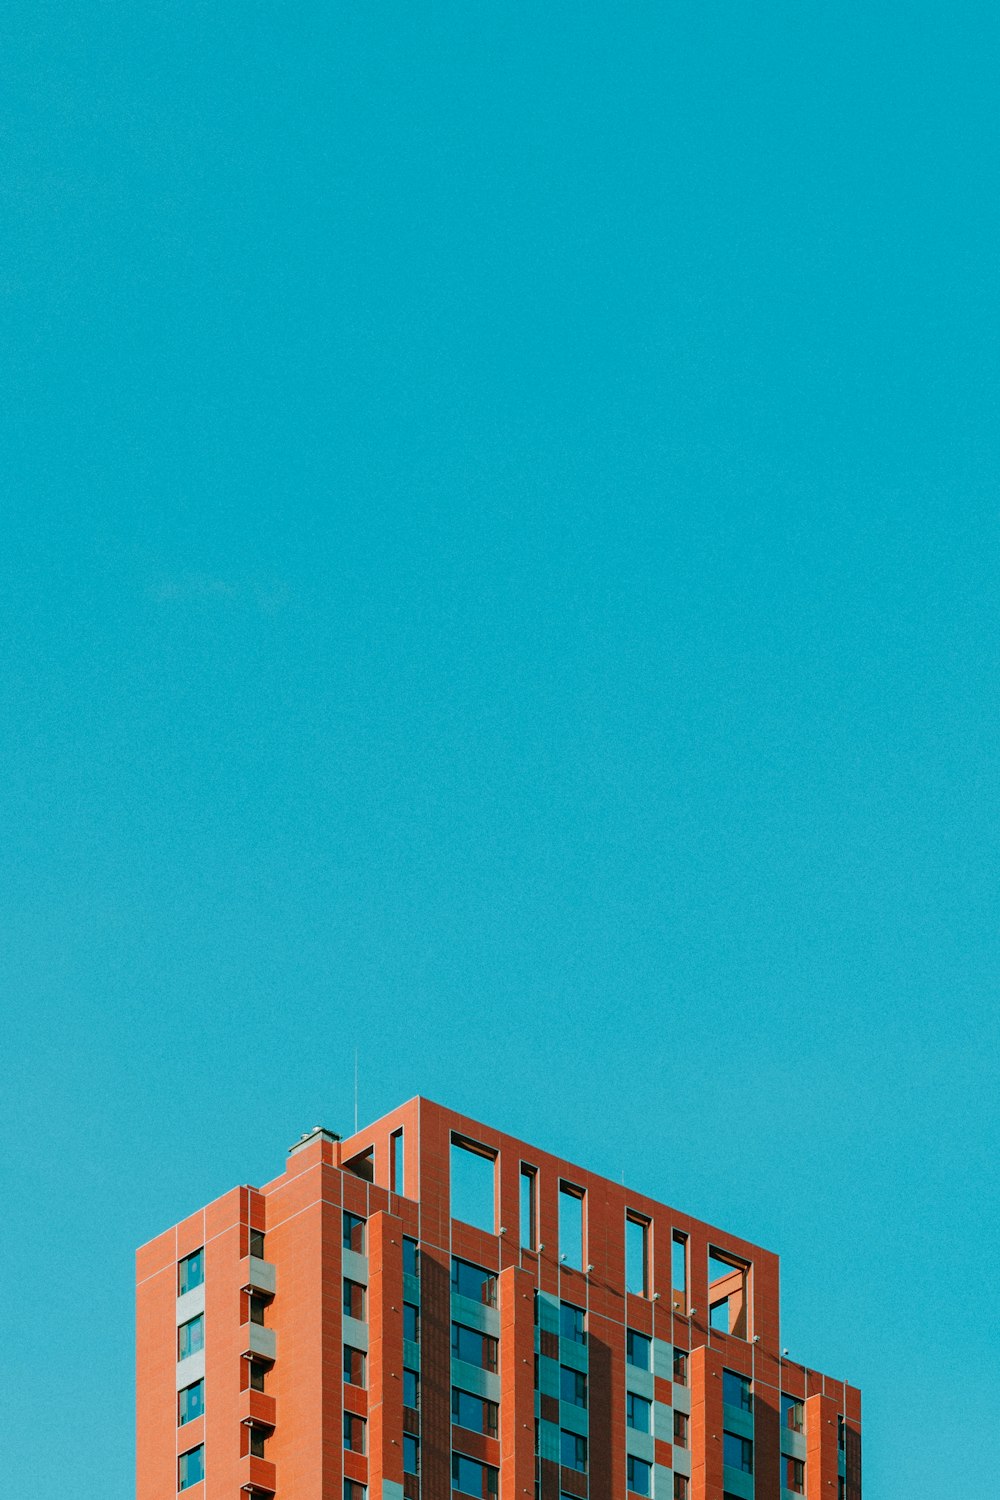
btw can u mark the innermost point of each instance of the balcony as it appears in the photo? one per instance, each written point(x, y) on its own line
point(259, 1275)
point(257, 1409)
point(256, 1476)
point(259, 1341)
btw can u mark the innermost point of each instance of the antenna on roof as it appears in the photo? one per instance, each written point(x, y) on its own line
point(355, 1091)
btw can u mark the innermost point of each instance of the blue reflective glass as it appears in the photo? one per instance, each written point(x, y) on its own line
point(637, 1410)
point(640, 1476)
point(573, 1451)
point(474, 1282)
point(637, 1347)
point(572, 1386)
point(737, 1452)
point(571, 1323)
point(191, 1467)
point(190, 1402)
point(411, 1454)
point(191, 1337)
point(190, 1272)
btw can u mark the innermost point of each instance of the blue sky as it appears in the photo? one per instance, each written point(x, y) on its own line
point(500, 570)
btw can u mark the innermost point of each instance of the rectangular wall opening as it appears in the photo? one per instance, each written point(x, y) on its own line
point(678, 1272)
point(571, 1225)
point(397, 1170)
point(529, 1207)
point(728, 1288)
point(473, 1184)
point(636, 1254)
point(363, 1164)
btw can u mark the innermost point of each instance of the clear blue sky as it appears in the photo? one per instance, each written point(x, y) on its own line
point(500, 567)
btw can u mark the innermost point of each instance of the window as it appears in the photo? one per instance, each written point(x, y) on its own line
point(640, 1476)
point(354, 1299)
point(258, 1437)
point(572, 1386)
point(354, 1432)
point(529, 1206)
point(474, 1413)
point(791, 1412)
point(256, 1309)
point(637, 1412)
point(571, 1225)
point(411, 1322)
point(680, 1367)
point(191, 1336)
point(469, 1477)
point(257, 1373)
point(411, 1257)
point(397, 1170)
point(573, 1451)
point(681, 1487)
point(190, 1272)
point(257, 1243)
point(354, 1491)
point(637, 1347)
point(840, 1434)
point(736, 1390)
point(191, 1467)
point(354, 1233)
point(190, 1402)
point(473, 1184)
point(411, 1389)
point(637, 1255)
point(354, 1366)
point(473, 1282)
point(795, 1476)
point(572, 1323)
point(678, 1269)
point(737, 1452)
point(680, 1429)
point(411, 1454)
point(473, 1347)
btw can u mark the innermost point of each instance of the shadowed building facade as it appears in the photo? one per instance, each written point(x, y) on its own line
point(433, 1310)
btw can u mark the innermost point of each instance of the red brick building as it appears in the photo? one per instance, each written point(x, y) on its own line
point(433, 1309)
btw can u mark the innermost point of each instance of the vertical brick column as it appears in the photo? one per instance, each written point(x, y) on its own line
point(517, 1385)
point(156, 1366)
point(766, 1423)
point(435, 1373)
point(821, 1448)
point(304, 1240)
point(385, 1354)
point(705, 1435)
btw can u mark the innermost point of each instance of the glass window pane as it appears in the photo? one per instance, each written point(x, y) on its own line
point(354, 1233)
point(190, 1272)
point(571, 1323)
point(637, 1349)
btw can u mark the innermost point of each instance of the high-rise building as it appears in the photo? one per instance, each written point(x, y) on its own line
point(432, 1309)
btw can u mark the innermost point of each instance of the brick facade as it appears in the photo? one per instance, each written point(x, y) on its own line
point(549, 1409)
